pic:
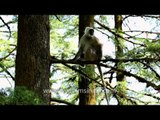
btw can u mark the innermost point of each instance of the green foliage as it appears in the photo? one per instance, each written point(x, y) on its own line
point(136, 52)
point(7, 55)
point(64, 41)
point(103, 19)
point(19, 96)
point(63, 45)
point(153, 49)
point(63, 35)
point(121, 86)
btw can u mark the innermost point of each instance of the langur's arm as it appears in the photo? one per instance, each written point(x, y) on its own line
point(78, 55)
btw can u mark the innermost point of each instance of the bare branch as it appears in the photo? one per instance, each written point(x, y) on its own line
point(128, 16)
point(8, 80)
point(151, 32)
point(5, 70)
point(10, 22)
point(152, 16)
point(7, 26)
point(58, 18)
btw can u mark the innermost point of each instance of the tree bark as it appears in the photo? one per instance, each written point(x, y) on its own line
point(86, 87)
point(32, 59)
point(121, 86)
point(119, 45)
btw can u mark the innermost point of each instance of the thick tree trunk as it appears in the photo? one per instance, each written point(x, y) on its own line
point(32, 59)
point(121, 83)
point(119, 45)
point(86, 87)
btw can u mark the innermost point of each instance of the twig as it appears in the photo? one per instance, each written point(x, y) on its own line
point(7, 27)
point(4, 69)
point(58, 18)
point(8, 54)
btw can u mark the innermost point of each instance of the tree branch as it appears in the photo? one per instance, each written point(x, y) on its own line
point(109, 87)
point(64, 62)
point(8, 54)
point(7, 27)
point(146, 59)
point(53, 60)
point(151, 32)
point(5, 70)
point(151, 69)
point(147, 94)
point(140, 79)
point(58, 18)
point(128, 16)
point(153, 16)
point(61, 101)
point(114, 33)
point(10, 22)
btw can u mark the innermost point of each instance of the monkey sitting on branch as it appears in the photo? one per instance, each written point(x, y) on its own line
point(90, 49)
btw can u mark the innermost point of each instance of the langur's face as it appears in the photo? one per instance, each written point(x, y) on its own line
point(91, 31)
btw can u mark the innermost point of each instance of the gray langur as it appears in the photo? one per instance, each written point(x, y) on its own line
point(90, 49)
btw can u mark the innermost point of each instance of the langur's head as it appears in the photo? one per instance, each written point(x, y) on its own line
point(89, 31)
